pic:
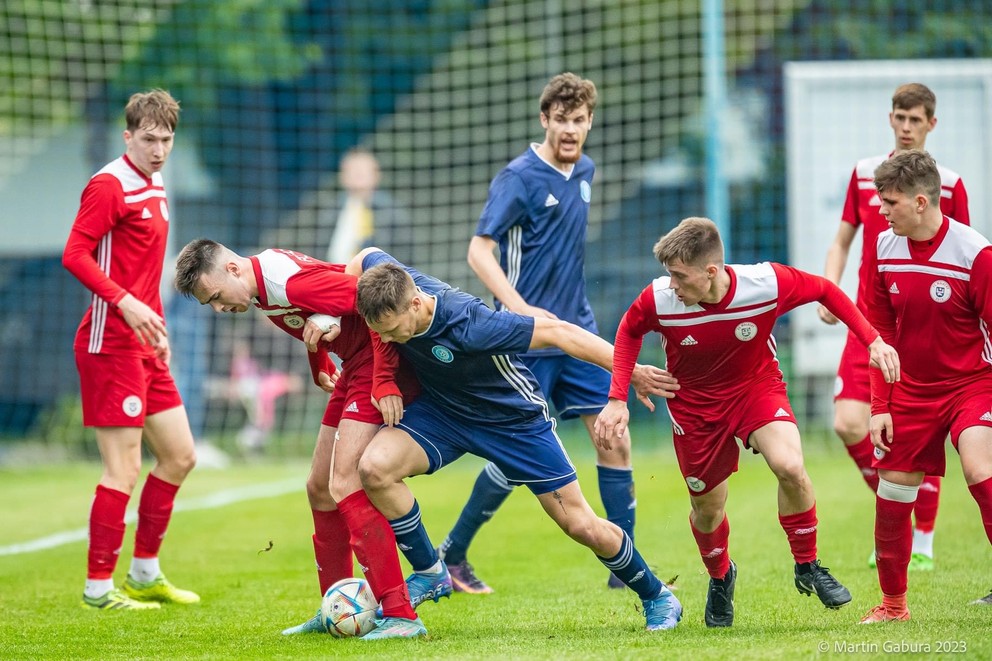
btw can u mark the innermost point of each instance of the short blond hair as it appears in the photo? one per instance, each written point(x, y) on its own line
point(693, 241)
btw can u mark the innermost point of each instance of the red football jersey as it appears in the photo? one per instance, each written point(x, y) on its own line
point(862, 204)
point(117, 246)
point(293, 286)
point(932, 301)
point(718, 350)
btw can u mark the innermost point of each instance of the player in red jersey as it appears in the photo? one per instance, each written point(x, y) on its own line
point(931, 297)
point(716, 325)
point(116, 249)
point(912, 119)
point(315, 302)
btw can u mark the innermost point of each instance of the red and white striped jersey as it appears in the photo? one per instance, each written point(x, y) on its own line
point(117, 246)
point(932, 301)
point(293, 286)
point(719, 350)
point(862, 204)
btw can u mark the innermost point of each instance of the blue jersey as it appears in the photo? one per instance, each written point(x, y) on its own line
point(465, 360)
point(538, 216)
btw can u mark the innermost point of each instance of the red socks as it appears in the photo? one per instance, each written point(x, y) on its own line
point(375, 547)
point(982, 493)
point(154, 512)
point(894, 536)
point(927, 500)
point(862, 453)
point(714, 547)
point(331, 548)
point(801, 531)
point(106, 532)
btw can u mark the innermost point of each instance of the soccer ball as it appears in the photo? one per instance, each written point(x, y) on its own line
point(349, 608)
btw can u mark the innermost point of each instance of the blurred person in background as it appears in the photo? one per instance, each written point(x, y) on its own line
point(116, 248)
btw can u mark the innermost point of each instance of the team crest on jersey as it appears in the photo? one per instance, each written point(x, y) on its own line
point(940, 291)
point(746, 331)
point(293, 321)
point(132, 406)
point(695, 484)
point(442, 353)
point(585, 190)
point(164, 208)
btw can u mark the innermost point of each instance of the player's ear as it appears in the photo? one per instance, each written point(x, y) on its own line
point(544, 120)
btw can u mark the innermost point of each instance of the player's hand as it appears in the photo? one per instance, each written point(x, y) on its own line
point(320, 328)
point(162, 351)
point(651, 380)
point(885, 358)
point(328, 381)
point(391, 408)
point(611, 424)
point(147, 324)
point(880, 429)
point(826, 316)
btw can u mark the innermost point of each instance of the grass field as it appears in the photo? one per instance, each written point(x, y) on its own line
point(551, 600)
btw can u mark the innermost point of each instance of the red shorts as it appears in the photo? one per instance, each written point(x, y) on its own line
point(852, 374)
point(352, 396)
point(119, 390)
point(707, 450)
point(922, 420)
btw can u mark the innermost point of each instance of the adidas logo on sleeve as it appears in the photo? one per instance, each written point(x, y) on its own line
point(688, 341)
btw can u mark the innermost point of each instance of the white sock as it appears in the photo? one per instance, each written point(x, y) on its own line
point(144, 569)
point(433, 569)
point(97, 587)
point(923, 542)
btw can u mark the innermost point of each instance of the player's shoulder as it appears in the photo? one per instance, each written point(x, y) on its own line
point(948, 177)
point(865, 167)
point(754, 271)
point(522, 163)
point(966, 238)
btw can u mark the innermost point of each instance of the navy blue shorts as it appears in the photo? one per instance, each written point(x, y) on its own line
point(574, 386)
point(530, 453)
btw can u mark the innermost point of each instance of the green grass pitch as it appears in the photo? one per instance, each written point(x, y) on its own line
point(551, 600)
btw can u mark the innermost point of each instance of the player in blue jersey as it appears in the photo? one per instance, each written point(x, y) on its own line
point(537, 213)
point(479, 397)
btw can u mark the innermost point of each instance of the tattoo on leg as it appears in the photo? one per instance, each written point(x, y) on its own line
point(557, 496)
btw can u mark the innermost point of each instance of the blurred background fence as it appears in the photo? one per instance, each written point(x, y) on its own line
point(443, 93)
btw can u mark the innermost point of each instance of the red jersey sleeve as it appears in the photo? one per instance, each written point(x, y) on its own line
point(635, 324)
point(981, 285)
point(882, 316)
point(101, 205)
point(850, 213)
point(320, 361)
point(385, 363)
point(797, 288)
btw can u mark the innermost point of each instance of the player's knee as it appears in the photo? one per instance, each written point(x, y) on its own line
point(374, 472)
point(181, 464)
point(318, 492)
point(791, 472)
point(850, 428)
